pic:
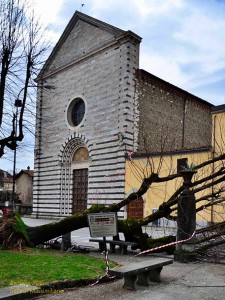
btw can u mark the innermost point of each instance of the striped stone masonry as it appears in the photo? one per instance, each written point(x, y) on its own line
point(104, 77)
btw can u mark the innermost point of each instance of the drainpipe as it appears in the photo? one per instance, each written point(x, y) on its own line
point(213, 166)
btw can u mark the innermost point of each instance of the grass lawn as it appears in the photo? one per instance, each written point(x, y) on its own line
point(40, 266)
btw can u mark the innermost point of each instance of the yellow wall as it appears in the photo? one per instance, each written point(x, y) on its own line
point(218, 132)
point(218, 143)
point(139, 168)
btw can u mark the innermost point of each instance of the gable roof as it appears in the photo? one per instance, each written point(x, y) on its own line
point(26, 171)
point(117, 32)
point(4, 174)
point(144, 75)
point(218, 108)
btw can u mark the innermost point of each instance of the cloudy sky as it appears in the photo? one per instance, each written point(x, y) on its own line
point(183, 40)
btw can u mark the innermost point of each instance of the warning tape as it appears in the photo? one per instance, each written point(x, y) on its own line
point(106, 275)
point(167, 245)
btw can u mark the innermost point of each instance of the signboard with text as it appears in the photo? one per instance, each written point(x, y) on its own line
point(102, 224)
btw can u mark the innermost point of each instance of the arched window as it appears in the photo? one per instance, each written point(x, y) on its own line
point(81, 155)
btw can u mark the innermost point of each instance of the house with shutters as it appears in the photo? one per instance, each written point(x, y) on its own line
point(101, 108)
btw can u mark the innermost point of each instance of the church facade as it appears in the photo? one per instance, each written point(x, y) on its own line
point(101, 108)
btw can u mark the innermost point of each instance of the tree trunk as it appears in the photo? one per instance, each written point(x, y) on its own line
point(14, 233)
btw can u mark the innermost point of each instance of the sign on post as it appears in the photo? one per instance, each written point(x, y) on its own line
point(102, 224)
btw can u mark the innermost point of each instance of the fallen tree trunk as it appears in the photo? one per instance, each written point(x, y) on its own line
point(14, 233)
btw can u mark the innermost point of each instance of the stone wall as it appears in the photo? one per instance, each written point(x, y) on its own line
point(104, 79)
point(24, 188)
point(169, 118)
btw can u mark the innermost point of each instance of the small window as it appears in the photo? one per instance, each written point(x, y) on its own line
point(76, 112)
point(182, 164)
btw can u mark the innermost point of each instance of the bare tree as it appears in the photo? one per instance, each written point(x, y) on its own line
point(21, 53)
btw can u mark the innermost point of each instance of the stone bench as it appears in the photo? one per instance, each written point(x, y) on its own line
point(141, 272)
point(113, 243)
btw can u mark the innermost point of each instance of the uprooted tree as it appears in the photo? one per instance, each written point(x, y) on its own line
point(14, 233)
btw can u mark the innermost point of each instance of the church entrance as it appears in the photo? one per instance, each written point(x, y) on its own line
point(80, 188)
point(80, 180)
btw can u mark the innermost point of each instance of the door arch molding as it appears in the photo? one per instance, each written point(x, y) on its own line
point(67, 165)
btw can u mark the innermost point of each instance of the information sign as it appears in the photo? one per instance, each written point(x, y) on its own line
point(102, 224)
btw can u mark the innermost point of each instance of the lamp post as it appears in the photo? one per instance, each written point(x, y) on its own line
point(17, 104)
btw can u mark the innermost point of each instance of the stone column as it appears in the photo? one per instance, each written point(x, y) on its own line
point(186, 221)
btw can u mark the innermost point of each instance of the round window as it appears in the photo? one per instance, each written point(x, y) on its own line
point(76, 111)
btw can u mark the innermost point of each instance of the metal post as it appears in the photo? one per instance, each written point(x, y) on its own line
point(105, 250)
point(18, 103)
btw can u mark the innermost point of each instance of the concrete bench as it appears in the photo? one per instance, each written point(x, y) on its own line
point(141, 272)
point(113, 243)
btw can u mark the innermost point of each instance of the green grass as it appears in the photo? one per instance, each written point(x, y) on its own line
point(41, 266)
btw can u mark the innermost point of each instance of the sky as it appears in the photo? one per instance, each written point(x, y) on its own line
point(183, 41)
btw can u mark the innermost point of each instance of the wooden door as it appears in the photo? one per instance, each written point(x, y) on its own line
point(80, 187)
point(135, 209)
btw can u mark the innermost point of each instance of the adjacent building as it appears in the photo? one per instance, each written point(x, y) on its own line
point(6, 187)
point(165, 163)
point(24, 186)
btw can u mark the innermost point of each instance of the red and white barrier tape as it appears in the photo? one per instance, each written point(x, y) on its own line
point(106, 275)
point(143, 252)
point(164, 246)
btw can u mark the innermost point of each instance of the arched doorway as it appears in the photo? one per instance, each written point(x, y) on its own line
point(80, 180)
point(135, 209)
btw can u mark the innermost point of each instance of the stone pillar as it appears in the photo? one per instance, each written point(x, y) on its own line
point(186, 221)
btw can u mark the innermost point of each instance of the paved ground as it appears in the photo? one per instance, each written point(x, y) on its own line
point(198, 281)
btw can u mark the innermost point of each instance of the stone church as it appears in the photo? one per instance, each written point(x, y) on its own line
point(101, 108)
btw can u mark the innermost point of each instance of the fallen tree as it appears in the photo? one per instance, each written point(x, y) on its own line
point(14, 233)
